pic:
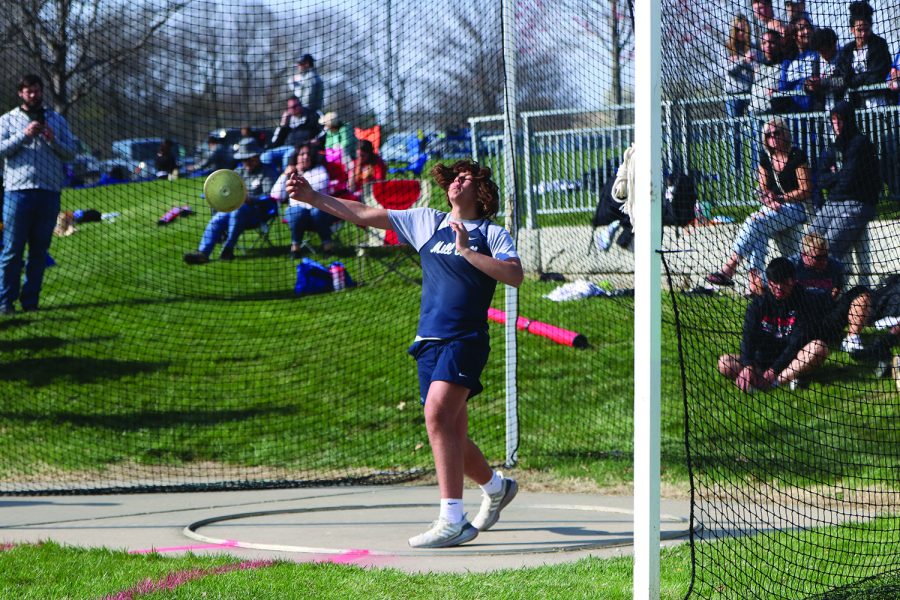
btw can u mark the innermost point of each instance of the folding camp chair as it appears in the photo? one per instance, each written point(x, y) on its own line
point(267, 215)
point(384, 246)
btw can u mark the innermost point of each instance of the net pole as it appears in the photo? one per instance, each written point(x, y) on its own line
point(510, 113)
point(647, 304)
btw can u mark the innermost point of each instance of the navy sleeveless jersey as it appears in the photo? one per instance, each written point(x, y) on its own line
point(455, 295)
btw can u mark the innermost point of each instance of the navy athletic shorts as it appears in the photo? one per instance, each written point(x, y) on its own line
point(458, 361)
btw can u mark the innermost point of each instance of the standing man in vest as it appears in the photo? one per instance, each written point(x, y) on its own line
point(306, 84)
point(35, 141)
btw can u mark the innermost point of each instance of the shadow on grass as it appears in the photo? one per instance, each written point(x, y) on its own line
point(10, 322)
point(149, 419)
point(36, 344)
point(38, 372)
point(186, 298)
point(880, 587)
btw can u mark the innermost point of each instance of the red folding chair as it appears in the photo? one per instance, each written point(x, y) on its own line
point(384, 246)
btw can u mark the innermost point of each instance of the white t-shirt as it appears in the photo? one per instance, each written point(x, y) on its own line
point(318, 180)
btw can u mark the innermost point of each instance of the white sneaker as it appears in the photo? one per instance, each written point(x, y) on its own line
point(797, 384)
point(851, 344)
point(492, 504)
point(444, 534)
point(896, 370)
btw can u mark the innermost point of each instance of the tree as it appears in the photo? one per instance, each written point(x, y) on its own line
point(610, 22)
point(75, 44)
point(468, 70)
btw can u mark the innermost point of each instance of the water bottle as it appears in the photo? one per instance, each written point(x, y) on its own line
point(338, 280)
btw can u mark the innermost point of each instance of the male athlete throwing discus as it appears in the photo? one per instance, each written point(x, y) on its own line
point(463, 257)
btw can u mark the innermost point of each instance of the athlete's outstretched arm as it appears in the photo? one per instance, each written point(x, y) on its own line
point(348, 210)
point(507, 271)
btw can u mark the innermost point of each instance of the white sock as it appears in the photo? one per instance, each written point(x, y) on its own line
point(494, 485)
point(452, 509)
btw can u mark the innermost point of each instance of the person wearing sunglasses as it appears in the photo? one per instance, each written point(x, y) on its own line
point(784, 187)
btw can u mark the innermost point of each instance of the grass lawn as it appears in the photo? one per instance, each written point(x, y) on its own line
point(49, 571)
point(139, 365)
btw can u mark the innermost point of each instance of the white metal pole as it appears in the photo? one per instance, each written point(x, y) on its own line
point(510, 114)
point(647, 304)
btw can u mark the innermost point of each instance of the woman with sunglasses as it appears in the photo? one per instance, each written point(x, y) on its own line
point(784, 186)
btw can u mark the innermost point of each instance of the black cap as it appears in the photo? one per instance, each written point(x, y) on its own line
point(306, 58)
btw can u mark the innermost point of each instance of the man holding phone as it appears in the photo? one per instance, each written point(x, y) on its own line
point(35, 141)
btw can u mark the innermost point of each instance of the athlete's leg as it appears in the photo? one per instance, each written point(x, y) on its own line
point(446, 421)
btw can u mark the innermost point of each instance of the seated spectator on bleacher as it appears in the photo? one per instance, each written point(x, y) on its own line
point(796, 9)
point(867, 59)
point(797, 70)
point(764, 97)
point(340, 141)
point(300, 216)
point(849, 172)
point(298, 126)
point(784, 187)
point(894, 75)
point(763, 19)
point(782, 339)
point(367, 167)
point(826, 86)
point(739, 58)
point(258, 179)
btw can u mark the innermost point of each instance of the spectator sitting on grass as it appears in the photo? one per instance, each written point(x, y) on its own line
point(784, 186)
point(367, 168)
point(166, 161)
point(298, 125)
point(302, 217)
point(220, 156)
point(340, 141)
point(824, 276)
point(782, 339)
point(258, 179)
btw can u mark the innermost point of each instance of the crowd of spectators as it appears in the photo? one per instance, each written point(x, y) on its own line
point(775, 68)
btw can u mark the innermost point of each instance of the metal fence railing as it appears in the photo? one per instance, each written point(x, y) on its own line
point(564, 168)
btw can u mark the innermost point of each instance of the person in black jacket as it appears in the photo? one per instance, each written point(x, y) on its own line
point(849, 172)
point(866, 60)
point(782, 341)
point(298, 125)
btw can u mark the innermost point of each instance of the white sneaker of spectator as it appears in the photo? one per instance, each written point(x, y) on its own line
point(605, 236)
point(851, 343)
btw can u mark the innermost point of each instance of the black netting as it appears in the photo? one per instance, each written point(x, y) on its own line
point(780, 132)
point(150, 366)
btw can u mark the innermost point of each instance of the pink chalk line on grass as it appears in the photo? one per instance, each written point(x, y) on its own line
point(177, 578)
point(347, 557)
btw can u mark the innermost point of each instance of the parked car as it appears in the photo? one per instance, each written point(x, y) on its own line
point(396, 148)
point(85, 168)
point(447, 148)
point(138, 155)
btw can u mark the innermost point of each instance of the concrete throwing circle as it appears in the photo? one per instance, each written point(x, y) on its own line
point(383, 529)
